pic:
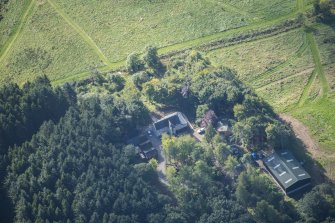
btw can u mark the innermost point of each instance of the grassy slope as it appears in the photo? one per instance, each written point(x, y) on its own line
point(275, 66)
point(9, 23)
point(318, 116)
point(48, 46)
point(113, 29)
point(318, 112)
point(80, 31)
point(12, 27)
point(113, 23)
point(265, 54)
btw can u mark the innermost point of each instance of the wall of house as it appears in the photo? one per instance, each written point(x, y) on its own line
point(167, 130)
point(161, 131)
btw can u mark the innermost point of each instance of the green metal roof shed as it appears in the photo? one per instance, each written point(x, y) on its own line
point(287, 171)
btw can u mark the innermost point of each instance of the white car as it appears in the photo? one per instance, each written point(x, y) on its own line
point(201, 131)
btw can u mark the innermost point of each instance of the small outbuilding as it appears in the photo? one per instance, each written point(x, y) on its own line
point(144, 147)
point(287, 171)
point(223, 129)
point(149, 154)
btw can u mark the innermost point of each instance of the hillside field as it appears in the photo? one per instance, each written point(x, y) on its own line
point(65, 38)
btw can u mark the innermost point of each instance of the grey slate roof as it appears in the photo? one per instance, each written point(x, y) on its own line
point(285, 169)
point(174, 119)
point(150, 153)
point(223, 128)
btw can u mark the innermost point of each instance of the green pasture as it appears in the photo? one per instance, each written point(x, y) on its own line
point(71, 37)
point(46, 46)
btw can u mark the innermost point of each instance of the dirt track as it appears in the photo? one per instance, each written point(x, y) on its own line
point(302, 132)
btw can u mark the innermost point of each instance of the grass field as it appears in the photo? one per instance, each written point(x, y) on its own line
point(318, 116)
point(263, 10)
point(113, 23)
point(264, 55)
point(13, 16)
point(46, 47)
point(91, 33)
point(274, 66)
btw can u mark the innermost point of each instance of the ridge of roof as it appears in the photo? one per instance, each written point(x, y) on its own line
point(290, 174)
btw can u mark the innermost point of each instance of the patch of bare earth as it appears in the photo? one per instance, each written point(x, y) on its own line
point(302, 133)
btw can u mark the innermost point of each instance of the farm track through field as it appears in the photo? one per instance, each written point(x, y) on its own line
point(81, 32)
point(301, 5)
point(17, 30)
point(318, 70)
point(304, 94)
point(235, 10)
point(162, 51)
point(284, 64)
point(318, 65)
point(283, 79)
point(119, 64)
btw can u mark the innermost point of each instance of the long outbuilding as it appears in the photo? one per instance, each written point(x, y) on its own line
point(287, 171)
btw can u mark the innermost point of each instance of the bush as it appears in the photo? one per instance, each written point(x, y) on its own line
point(323, 10)
point(140, 78)
point(134, 64)
point(151, 58)
point(116, 81)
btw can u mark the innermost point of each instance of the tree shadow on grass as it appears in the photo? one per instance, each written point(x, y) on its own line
point(312, 166)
